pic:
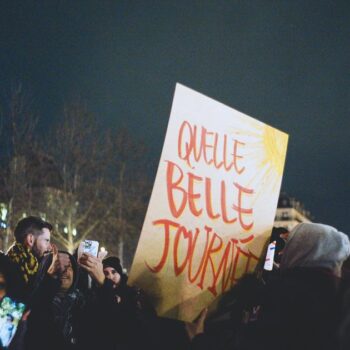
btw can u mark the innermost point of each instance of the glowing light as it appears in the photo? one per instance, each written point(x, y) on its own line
point(3, 213)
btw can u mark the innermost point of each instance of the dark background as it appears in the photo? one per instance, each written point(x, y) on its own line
point(285, 63)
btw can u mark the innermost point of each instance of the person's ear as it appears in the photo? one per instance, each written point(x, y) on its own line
point(29, 240)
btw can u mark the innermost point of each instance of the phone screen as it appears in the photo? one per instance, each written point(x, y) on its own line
point(270, 255)
point(10, 314)
point(87, 246)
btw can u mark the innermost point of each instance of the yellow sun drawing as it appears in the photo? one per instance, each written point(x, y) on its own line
point(265, 151)
point(275, 147)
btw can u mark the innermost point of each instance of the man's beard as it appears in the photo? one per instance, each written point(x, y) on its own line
point(37, 253)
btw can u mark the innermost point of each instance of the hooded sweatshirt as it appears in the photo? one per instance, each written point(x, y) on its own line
point(298, 310)
point(302, 306)
point(315, 246)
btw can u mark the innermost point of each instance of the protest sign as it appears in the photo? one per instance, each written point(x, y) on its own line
point(212, 206)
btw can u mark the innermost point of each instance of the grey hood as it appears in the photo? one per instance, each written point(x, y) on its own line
point(315, 245)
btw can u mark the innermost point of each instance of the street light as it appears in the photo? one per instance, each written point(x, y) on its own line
point(3, 213)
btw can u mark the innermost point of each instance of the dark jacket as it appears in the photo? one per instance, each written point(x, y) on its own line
point(73, 320)
point(297, 310)
point(51, 321)
point(92, 318)
point(133, 324)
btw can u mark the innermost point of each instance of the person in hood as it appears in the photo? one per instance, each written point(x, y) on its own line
point(137, 320)
point(132, 313)
point(318, 246)
point(113, 271)
point(300, 308)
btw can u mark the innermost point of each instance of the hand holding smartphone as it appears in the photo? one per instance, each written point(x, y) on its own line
point(91, 262)
point(89, 247)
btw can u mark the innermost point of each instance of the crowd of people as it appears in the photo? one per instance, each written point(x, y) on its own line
point(84, 302)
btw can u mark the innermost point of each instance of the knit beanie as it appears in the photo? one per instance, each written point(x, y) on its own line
point(114, 262)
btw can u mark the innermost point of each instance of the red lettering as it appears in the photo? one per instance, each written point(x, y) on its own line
point(167, 224)
point(241, 210)
point(205, 146)
point(188, 236)
point(217, 164)
point(231, 264)
point(190, 277)
point(223, 205)
point(222, 269)
point(174, 186)
point(236, 156)
point(188, 145)
point(194, 146)
point(182, 194)
point(193, 196)
point(212, 249)
point(208, 200)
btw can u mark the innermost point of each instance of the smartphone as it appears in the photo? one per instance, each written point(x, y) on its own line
point(10, 314)
point(270, 255)
point(87, 246)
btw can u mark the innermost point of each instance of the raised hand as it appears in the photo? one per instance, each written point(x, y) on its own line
point(60, 261)
point(93, 266)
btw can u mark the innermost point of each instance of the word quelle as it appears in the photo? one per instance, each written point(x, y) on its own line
point(216, 150)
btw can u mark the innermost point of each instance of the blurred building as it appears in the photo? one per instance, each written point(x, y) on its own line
point(290, 212)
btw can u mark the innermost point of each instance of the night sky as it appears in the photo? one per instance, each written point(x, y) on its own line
point(285, 63)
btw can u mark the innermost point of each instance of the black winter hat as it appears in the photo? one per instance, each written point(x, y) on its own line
point(114, 262)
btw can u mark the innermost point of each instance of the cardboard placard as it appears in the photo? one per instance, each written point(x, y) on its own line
point(212, 207)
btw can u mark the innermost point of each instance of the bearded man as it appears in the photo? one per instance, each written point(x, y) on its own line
point(32, 242)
